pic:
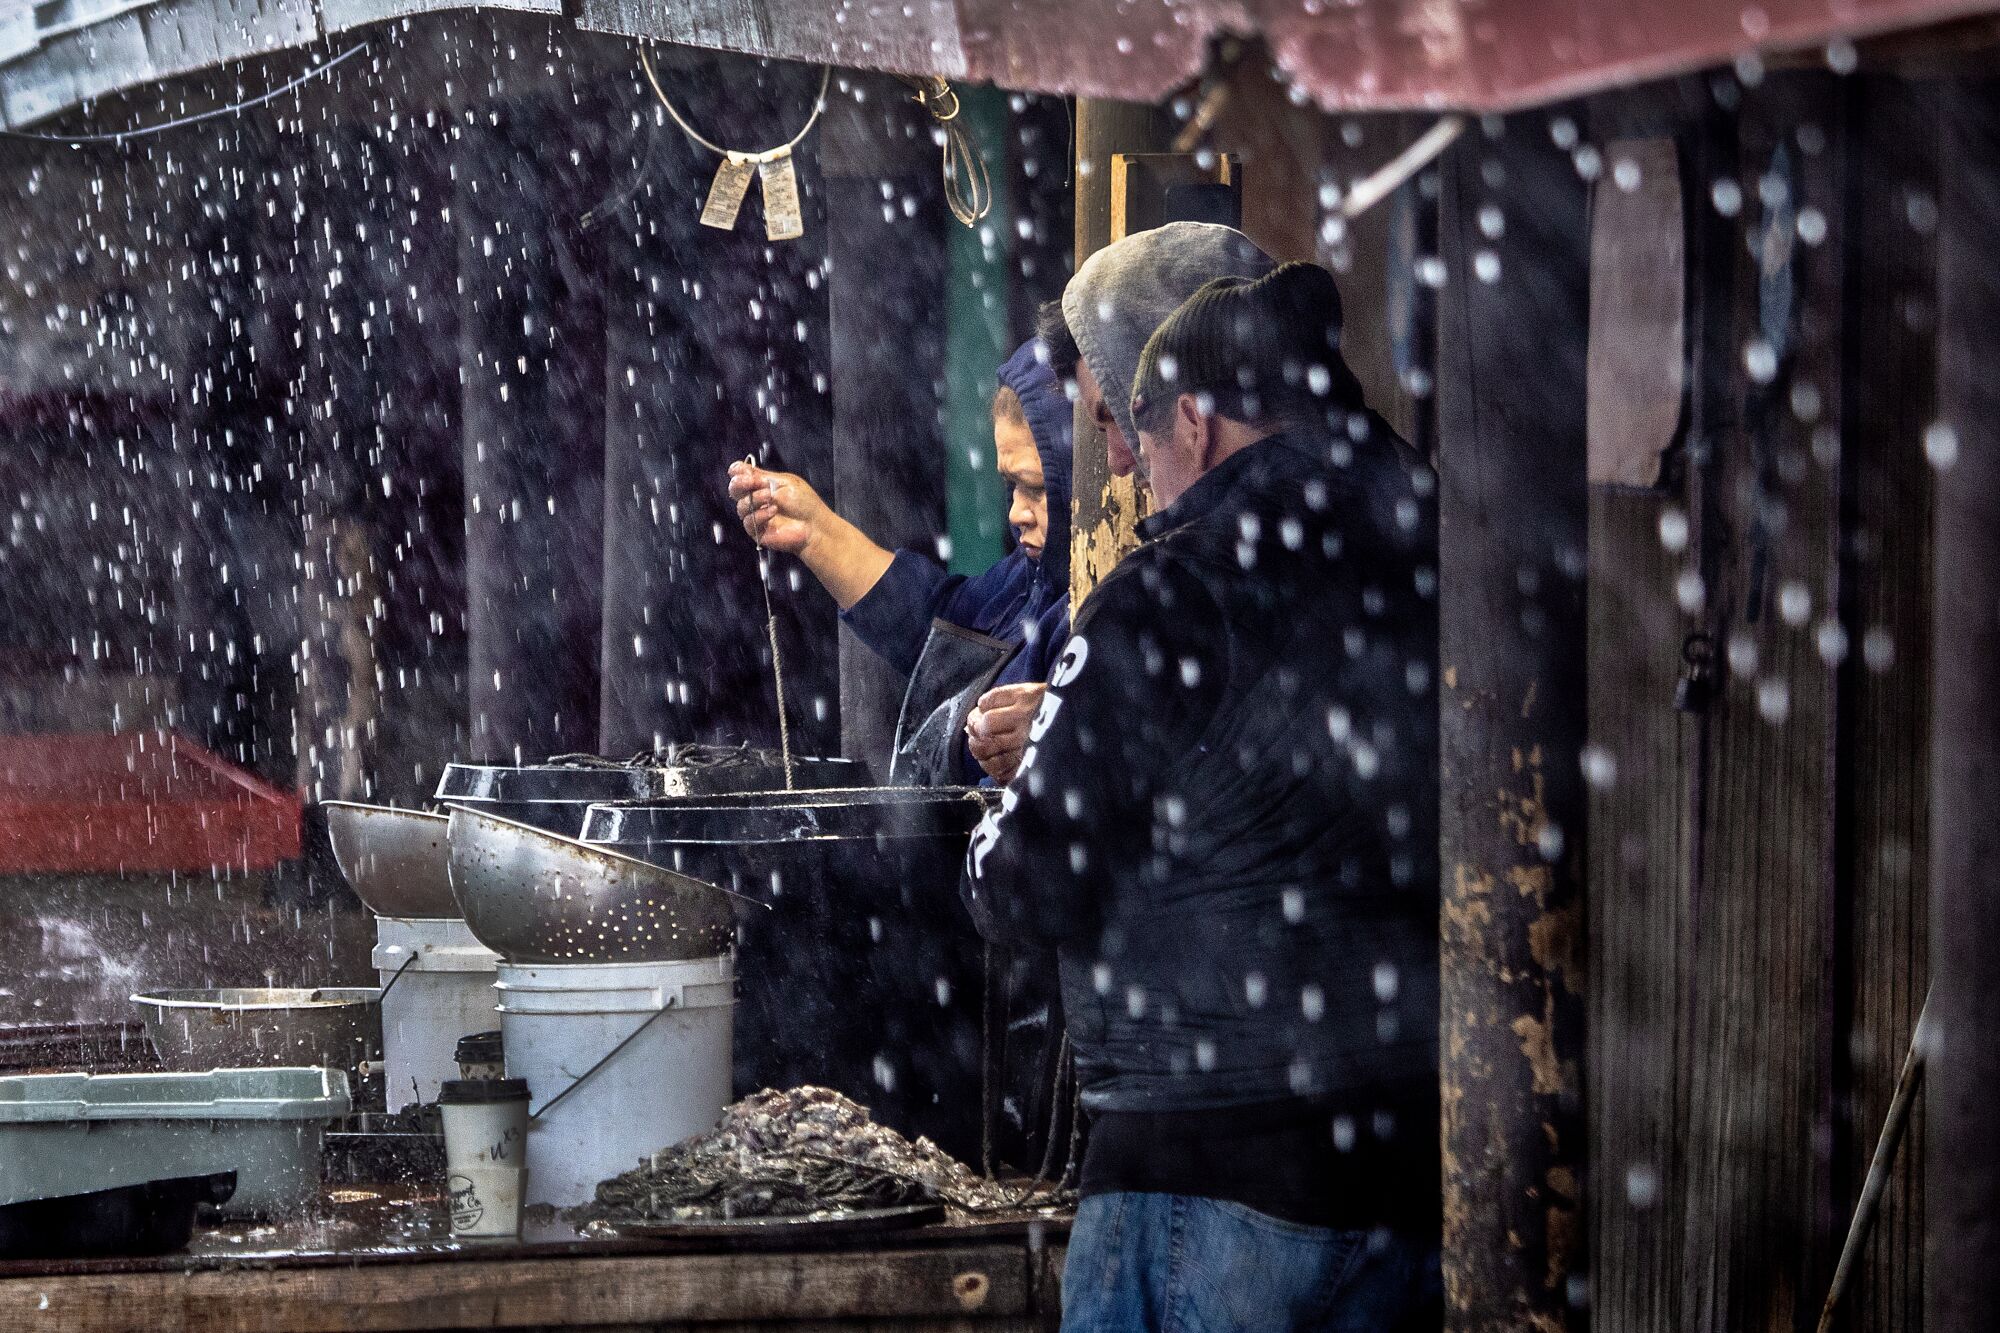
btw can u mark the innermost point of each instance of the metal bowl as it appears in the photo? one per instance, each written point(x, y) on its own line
point(396, 860)
point(535, 897)
point(246, 1027)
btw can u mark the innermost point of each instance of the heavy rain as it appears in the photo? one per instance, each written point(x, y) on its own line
point(998, 665)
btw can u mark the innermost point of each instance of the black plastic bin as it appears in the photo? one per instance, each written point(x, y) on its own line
point(866, 976)
point(156, 1217)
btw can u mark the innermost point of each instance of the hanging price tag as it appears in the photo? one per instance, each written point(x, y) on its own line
point(783, 219)
point(726, 192)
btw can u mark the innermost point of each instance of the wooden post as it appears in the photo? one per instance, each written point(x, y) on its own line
point(339, 702)
point(888, 453)
point(532, 445)
point(1512, 532)
point(1962, 1192)
point(1107, 508)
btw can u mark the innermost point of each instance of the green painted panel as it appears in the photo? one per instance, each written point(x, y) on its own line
point(977, 340)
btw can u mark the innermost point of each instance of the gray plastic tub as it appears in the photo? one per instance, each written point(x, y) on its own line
point(64, 1134)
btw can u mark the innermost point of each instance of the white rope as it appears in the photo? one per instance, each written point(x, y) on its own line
point(769, 154)
point(122, 135)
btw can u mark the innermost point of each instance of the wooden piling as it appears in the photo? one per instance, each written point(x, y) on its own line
point(1512, 531)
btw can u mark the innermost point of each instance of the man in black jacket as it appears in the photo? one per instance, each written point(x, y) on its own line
point(1226, 823)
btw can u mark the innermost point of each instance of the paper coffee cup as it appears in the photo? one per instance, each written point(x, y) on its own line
point(485, 1153)
point(480, 1055)
point(485, 1200)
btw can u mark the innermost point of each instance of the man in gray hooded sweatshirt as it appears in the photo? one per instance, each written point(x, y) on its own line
point(1122, 293)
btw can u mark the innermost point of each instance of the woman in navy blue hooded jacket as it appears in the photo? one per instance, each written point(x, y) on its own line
point(977, 650)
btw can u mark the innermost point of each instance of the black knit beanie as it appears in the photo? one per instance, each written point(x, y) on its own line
point(1253, 349)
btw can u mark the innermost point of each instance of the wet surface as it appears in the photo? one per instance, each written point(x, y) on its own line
point(391, 1224)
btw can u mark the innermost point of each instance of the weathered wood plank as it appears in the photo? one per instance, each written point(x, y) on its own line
point(957, 1284)
point(1962, 1185)
point(1756, 1175)
point(1641, 757)
point(1883, 822)
point(1646, 755)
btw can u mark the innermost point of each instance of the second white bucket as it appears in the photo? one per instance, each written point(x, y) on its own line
point(445, 991)
point(625, 1057)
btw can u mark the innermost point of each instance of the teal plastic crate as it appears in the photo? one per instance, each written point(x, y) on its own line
point(63, 1134)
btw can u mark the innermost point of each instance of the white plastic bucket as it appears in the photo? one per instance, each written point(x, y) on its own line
point(669, 1080)
point(446, 993)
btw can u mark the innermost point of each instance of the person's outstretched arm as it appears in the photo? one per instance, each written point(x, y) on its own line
point(782, 512)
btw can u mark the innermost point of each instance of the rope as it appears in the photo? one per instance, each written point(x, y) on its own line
point(140, 133)
point(777, 668)
point(777, 662)
point(769, 154)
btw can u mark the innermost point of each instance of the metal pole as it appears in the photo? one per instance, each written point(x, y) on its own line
point(1870, 1204)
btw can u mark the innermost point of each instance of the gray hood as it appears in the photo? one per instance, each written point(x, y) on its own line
point(1126, 290)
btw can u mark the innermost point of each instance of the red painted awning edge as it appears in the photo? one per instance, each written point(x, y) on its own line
point(238, 824)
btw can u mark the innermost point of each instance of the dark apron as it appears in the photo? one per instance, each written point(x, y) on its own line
point(956, 666)
point(1023, 1000)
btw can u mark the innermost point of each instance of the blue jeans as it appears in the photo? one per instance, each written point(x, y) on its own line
point(1169, 1263)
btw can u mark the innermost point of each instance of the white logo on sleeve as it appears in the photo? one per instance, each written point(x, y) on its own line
point(1067, 669)
point(1071, 662)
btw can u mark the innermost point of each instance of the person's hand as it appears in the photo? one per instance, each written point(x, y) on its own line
point(997, 730)
point(780, 510)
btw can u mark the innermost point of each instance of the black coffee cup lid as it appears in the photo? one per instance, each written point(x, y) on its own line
point(481, 1091)
point(478, 1048)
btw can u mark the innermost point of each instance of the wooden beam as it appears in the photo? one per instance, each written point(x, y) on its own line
point(1512, 534)
point(1963, 1189)
point(974, 1284)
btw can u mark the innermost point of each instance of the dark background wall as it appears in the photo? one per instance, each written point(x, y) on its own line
point(391, 426)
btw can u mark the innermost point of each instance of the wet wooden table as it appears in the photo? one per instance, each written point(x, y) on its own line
point(362, 1271)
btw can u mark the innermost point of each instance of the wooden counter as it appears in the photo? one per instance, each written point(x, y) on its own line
point(967, 1277)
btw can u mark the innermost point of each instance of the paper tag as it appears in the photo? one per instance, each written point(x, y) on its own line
point(725, 194)
point(783, 220)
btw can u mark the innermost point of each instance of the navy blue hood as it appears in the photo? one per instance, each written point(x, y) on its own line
point(1051, 419)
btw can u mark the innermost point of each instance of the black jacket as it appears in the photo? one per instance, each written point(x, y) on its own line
point(1226, 821)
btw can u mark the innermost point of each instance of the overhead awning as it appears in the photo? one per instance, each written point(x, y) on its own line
point(1477, 55)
